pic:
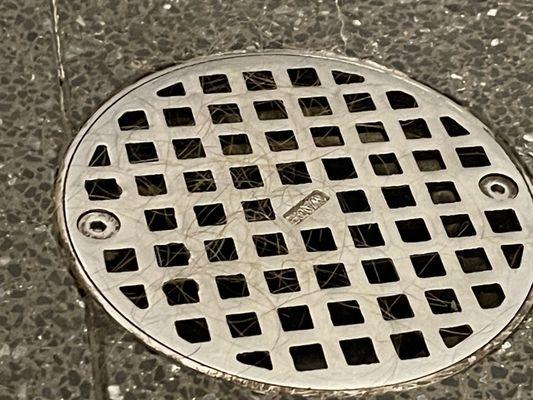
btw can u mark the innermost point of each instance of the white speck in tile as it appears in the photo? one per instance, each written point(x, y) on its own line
point(18, 352)
point(167, 6)
point(506, 346)
point(21, 393)
point(80, 303)
point(492, 12)
point(4, 350)
point(356, 22)
point(80, 21)
point(455, 76)
point(495, 42)
point(4, 260)
point(114, 392)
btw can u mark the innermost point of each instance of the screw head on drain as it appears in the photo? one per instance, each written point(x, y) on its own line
point(498, 187)
point(98, 224)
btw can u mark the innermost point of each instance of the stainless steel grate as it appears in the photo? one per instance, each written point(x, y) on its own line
point(299, 221)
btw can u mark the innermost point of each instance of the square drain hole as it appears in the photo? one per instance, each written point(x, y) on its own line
point(282, 281)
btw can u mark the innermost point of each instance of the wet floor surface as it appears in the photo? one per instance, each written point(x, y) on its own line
point(60, 60)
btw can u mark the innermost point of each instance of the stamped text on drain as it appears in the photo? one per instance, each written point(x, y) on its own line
point(306, 207)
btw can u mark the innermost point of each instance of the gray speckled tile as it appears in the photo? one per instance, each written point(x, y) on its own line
point(476, 52)
point(43, 345)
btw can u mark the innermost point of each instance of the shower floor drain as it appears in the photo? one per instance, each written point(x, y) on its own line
point(295, 221)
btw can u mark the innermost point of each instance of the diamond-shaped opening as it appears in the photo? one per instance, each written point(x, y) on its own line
point(473, 260)
point(270, 244)
point(120, 260)
point(282, 281)
point(235, 144)
point(395, 307)
point(181, 116)
point(346, 78)
point(443, 192)
point(385, 164)
point(296, 318)
point(359, 351)
point(243, 325)
point(454, 335)
point(442, 301)
point(410, 345)
point(319, 239)
point(210, 214)
point(225, 113)
point(502, 221)
point(359, 102)
point(429, 160)
point(331, 276)
point(259, 359)
point(103, 189)
point(513, 254)
point(136, 294)
point(413, 230)
point(472, 157)
point(173, 90)
point(160, 219)
point(270, 109)
point(293, 173)
point(216, 83)
point(353, 201)
point(193, 330)
point(399, 100)
point(428, 265)
point(345, 312)
point(339, 168)
point(172, 255)
point(398, 196)
point(325, 136)
point(151, 185)
point(259, 80)
point(188, 148)
point(380, 270)
point(371, 132)
point(258, 210)
point(281, 140)
point(308, 357)
point(458, 225)
point(303, 77)
point(200, 181)
point(133, 120)
point(489, 296)
point(141, 152)
point(181, 291)
point(232, 286)
point(100, 157)
point(247, 177)
point(220, 250)
point(315, 106)
point(366, 235)
point(453, 128)
point(415, 128)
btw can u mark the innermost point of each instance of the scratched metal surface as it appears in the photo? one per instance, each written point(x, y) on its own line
point(55, 342)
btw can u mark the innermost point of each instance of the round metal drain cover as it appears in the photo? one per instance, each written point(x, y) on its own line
point(299, 221)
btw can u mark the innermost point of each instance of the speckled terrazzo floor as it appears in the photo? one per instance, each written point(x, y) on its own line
point(57, 344)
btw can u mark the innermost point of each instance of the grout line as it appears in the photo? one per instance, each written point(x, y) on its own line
point(94, 335)
point(98, 354)
point(64, 92)
point(342, 33)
